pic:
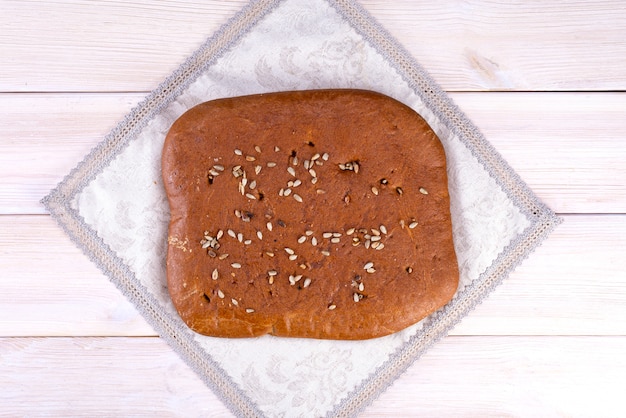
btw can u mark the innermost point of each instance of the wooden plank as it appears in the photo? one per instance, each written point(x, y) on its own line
point(484, 45)
point(44, 136)
point(100, 377)
point(49, 288)
point(501, 45)
point(569, 148)
point(572, 285)
point(528, 376)
point(72, 45)
point(512, 377)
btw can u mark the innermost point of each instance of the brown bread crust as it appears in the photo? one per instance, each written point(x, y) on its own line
point(378, 163)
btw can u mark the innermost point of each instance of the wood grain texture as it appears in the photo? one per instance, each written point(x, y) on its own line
point(572, 285)
point(528, 376)
point(534, 45)
point(570, 148)
point(100, 377)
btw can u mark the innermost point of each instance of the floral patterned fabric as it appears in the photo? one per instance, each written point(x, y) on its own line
point(117, 212)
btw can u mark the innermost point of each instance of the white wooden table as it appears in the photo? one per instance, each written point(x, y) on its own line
point(544, 81)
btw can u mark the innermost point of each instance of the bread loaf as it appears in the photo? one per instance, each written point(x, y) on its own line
point(317, 214)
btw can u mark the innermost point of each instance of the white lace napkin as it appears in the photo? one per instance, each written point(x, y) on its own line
point(113, 204)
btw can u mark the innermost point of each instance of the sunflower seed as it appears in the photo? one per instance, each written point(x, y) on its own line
point(376, 238)
point(232, 233)
point(291, 171)
point(269, 253)
point(302, 239)
point(375, 231)
point(367, 243)
point(215, 275)
point(383, 229)
point(402, 223)
point(413, 224)
point(307, 282)
point(294, 160)
point(270, 280)
point(259, 234)
point(314, 241)
point(257, 149)
point(371, 270)
point(308, 233)
point(399, 190)
point(332, 307)
point(423, 190)
point(381, 246)
point(269, 226)
point(361, 287)
point(368, 265)
point(335, 240)
point(249, 310)
point(375, 190)
point(326, 253)
point(272, 273)
point(325, 156)
point(248, 242)
point(219, 235)
point(375, 244)
point(220, 294)
point(350, 231)
point(289, 251)
point(287, 192)
point(252, 185)
point(314, 181)
point(315, 157)
point(222, 256)
point(250, 196)
point(250, 158)
point(320, 191)
point(218, 167)
point(356, 297)
point(238, 152)
point(234, 302)
point(297, 198)
point(297, 183)
point(281, 192)
point(293, 257)
point(312, 173)
point(276, 149)
point(271, 164)
point(235, 265)
point(238, 213)
point(240, 237)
